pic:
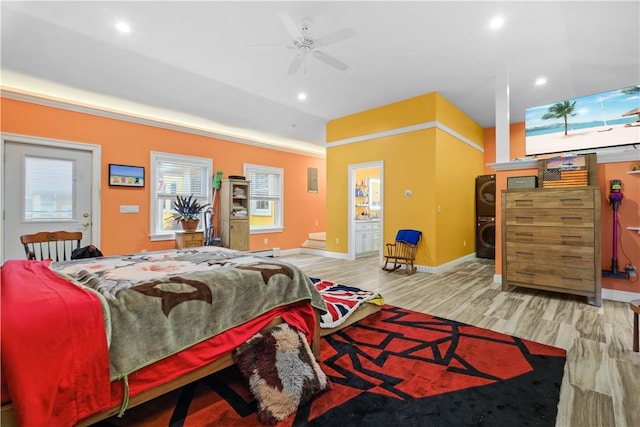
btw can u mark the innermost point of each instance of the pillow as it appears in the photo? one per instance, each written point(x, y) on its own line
point(282, 371)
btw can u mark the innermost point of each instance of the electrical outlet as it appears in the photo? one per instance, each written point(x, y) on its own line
point(631, 270)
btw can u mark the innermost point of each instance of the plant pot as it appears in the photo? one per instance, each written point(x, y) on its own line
point(190, 225)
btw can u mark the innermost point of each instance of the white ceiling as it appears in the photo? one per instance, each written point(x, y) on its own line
point(205, 62)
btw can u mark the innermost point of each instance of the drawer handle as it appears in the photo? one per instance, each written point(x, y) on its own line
point(523, 218)
point(575, 279)
point(571, 236)
point(528, 273)
point(523, 253)
point(525, 234)
point(572, 200)
point(527, 202)
point(572, 256)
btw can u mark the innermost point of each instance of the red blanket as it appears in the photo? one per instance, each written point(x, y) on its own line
point(54, 351)
point(54, 348)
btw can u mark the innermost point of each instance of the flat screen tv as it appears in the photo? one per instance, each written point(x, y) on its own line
point(606, 119)
point(126, 176)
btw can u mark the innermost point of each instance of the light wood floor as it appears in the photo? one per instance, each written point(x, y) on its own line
point(601, 385)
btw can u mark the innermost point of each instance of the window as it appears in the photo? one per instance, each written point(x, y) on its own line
point(48, 189)
point(266, 198)
point(172, 175)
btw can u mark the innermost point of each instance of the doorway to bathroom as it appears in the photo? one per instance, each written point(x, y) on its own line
point(366, 209)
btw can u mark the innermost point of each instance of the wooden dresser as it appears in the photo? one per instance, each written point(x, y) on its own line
point(551, 240)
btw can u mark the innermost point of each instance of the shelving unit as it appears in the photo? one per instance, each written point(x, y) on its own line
point(362, 202)
point(234, 215)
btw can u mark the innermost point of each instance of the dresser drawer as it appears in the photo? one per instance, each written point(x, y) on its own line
point(550, 217)
point(538, 253)
point(575, 236)
point(579, 279)
point(548, 198)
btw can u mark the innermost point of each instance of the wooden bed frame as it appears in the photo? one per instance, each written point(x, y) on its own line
point(7, 418)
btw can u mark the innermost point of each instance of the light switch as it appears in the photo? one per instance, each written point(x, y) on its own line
point(129, 209)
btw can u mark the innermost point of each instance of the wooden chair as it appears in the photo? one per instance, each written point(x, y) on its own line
point(54, 245)
point(403, 251)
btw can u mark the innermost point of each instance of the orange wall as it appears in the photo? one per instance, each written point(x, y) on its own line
point(516, 145)
point(131, 143)
point(628, 213)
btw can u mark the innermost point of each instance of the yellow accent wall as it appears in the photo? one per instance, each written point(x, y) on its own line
point(438, 168)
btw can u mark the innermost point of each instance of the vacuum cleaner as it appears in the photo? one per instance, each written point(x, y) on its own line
point(615, 200)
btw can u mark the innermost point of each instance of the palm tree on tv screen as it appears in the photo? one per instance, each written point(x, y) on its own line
point(562, 110)
point(631, 90)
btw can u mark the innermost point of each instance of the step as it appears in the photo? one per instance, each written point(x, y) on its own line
point(322, 235)
point(316, 241)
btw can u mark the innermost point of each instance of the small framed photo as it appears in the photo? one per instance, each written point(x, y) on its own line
point(126, 176)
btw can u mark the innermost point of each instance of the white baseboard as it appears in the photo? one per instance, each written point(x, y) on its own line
point(621, 296)
point(444, 267)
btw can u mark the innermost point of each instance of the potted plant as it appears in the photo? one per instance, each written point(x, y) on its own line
point(187, 211)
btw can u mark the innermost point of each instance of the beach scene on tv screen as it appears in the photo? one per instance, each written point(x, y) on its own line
point(604, 119)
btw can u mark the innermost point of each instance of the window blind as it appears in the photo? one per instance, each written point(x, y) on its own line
point(177, 177)
point(265, 185)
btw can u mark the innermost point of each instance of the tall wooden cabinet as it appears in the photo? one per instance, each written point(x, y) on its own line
point(551, 240)
point(234, 214)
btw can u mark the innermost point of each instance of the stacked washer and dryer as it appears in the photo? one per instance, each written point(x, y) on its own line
point(486, 216)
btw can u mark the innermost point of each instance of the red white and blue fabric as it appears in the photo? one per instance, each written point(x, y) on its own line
point(341, 300)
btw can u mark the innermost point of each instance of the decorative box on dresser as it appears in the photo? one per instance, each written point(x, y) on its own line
point(551, 240)
point(234, 214)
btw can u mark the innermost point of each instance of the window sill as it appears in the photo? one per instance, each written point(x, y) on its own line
point(266, 230)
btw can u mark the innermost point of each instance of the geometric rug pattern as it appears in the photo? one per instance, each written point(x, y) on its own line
point(393, 368)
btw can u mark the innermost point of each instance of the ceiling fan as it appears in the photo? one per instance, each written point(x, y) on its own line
point(305, 44)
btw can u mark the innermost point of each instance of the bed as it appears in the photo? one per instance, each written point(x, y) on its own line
point(84, 340)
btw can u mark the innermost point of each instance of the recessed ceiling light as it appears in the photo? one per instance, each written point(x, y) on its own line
point(302, 96)
point(496, 22)
point(540, 81)
point(123, 27)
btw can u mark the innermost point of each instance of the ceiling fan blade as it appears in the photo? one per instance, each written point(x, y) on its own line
point(295, 64)
point(329, 60)
point(290, 25)
point(338, 36)
point(272, 47)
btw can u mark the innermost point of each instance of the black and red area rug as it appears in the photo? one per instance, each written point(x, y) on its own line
point(393, 368)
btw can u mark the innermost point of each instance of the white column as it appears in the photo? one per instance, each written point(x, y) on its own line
point(502, 116)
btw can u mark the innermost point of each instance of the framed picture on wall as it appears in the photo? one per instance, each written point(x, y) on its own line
point(126, 176)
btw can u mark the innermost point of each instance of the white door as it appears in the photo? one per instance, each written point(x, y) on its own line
point(46, 188)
